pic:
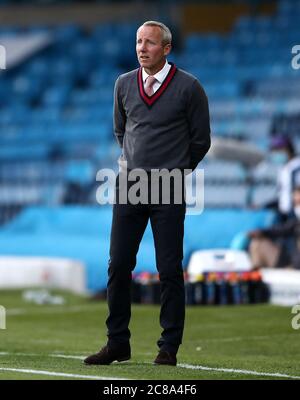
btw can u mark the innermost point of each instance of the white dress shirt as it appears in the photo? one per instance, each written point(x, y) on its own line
point(288, 178)
point(159, 76)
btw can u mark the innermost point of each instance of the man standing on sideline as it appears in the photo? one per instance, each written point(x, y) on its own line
point(161, 121)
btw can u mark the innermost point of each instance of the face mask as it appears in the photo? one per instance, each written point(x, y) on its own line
point(279, 157)
point(297, 211)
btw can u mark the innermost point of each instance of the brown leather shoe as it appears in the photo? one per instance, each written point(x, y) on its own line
point(107, 355)
point(165, 358)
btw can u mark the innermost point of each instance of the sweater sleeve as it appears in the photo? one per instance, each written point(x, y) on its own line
point(119, 114)
point(199, 125)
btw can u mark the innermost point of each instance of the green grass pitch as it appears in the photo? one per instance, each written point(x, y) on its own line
point(223, 342)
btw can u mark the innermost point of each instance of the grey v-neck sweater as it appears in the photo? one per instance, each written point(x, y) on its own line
point(169, 129)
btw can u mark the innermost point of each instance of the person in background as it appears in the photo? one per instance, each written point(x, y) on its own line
point(278, 246)
point(283, 154)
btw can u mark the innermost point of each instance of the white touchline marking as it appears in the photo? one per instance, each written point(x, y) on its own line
point(50, 373)
point(187, 366)
point(67, 356)
point(56, 355)
point(15, 311)
point(53, 309)
point(5, 353)
point(240, 338)
point(238, 371)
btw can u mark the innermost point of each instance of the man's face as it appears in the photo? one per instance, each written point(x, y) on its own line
point(279, 157)
point(150, 51)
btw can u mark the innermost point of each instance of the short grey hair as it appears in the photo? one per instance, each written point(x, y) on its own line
point(166, 33)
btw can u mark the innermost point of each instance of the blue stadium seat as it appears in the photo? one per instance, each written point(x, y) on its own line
point(56, 127)
point(82, 233)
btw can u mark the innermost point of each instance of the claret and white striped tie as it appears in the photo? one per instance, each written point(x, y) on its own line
point(149, 85)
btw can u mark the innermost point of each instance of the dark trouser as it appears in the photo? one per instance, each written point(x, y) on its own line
point(128, 226)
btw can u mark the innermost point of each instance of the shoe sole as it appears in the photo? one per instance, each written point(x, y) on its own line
point(172, 365)
point(119, 360)
point(123, 359)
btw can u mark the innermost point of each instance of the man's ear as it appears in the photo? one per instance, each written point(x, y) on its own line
point(167, 49)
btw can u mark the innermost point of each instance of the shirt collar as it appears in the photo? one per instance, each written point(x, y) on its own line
point(160, 75)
